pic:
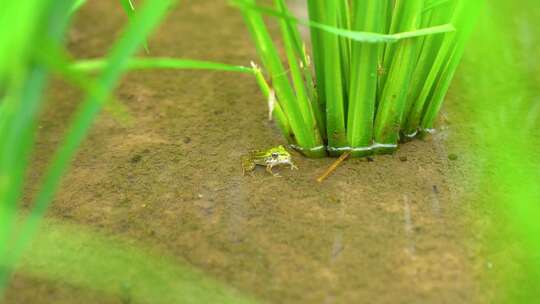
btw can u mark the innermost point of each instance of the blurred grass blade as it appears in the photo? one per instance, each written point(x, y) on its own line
point(24, 83)
point(159, 63)
point(77, 4)
point(115, 268)
point(75, 72)
point(430, 5)
point(142, 23)
point(500, 82)
point(129, 8)
point(57, 61)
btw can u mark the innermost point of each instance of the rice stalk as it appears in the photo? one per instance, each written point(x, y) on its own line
point(382, 68)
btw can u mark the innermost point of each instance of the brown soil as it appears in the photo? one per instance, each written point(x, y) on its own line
point(392, 230)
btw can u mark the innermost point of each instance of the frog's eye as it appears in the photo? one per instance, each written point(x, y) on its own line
point(275, 155)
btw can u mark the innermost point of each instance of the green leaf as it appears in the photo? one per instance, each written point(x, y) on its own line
point(367, 37)
point(129, 8)
point(160, 63)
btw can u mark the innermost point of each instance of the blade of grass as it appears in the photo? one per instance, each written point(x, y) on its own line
point(394, 26)
point(92, 65)
point(129, 8)
point(344, 22)
point(116, 268)
point(367, 37)
point(316, 13)
point(117, 109)
point(442, 71)
point(291, 37)
point(432, 47)
point(364, 76)
point(423, 89)
point(58, 61)
point(308, 113)
point(393, 99)
point(292, 31)
point(77, 4)
point(22, 101)
point(334, 84)
point(74, 72)
point(466, 22)
point(384, 49)
point(18, 25)
point(430, 5)
point(276, 111)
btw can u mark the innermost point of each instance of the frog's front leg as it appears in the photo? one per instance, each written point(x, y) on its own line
point(269, 170)
point(293, 166)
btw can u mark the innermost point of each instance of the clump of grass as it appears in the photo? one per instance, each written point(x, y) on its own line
point(379, 74)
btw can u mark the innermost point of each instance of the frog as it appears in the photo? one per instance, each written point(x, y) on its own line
point(270, 158)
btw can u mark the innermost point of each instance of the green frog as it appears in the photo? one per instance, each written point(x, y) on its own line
point(269, 158)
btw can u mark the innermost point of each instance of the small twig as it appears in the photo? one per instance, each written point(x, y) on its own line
point(334, 166)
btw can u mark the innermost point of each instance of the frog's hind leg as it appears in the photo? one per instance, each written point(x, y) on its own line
point(248, 167)
point(248, 170)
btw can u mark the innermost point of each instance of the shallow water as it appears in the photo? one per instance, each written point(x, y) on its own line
point(394, 230)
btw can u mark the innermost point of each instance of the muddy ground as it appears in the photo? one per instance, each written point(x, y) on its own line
point(394, 230)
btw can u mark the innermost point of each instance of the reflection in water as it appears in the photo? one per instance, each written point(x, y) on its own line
point(338, 245)
point(435, 202)
point(237, 211)
point(409, 231)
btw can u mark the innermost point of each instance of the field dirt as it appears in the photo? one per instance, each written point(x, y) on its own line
point(391, 230)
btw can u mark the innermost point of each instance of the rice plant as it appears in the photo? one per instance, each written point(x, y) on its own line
point(379, 74)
